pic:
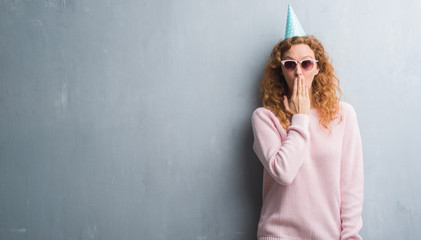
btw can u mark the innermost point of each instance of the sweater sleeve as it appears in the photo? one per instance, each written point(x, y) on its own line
point(282, 159)
point(352, 179)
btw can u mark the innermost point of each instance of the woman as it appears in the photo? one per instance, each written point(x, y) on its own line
point(309, 144)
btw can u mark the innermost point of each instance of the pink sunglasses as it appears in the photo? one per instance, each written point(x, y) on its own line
point(306, 64)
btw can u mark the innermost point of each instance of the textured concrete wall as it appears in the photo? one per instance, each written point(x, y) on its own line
point(131, 119)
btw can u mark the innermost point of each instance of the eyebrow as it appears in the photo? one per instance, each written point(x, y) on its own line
point(305, 57)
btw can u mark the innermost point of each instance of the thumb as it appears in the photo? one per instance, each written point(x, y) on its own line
point(286, 104)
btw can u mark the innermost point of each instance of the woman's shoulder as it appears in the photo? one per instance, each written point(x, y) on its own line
point(347, 110)
point(345, 107)
point(262, 113)
point(262, 110)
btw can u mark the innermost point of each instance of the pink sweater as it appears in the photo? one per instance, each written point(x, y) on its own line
point(313, 180)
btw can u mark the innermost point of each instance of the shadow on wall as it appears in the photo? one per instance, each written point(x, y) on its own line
point(252, 180)
point(252, 175)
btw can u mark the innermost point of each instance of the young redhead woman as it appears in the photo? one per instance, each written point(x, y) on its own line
point(310, 146)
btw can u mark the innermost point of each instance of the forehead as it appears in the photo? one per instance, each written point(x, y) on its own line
point(299, 51)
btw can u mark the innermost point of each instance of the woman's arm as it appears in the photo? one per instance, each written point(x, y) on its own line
point(352, 178)
point(281, 159)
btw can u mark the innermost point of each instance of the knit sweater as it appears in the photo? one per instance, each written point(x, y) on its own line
point(313, 180)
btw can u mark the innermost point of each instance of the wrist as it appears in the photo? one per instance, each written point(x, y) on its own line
point(300, 119)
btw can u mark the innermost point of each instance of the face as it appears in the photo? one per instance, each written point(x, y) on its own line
point(299, 52)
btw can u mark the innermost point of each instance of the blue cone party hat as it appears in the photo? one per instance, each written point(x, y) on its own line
point(294, 27)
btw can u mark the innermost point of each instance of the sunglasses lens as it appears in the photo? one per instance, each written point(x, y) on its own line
point(307, 65)
point(290, 65)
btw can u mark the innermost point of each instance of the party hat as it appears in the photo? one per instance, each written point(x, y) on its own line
point(294, 27)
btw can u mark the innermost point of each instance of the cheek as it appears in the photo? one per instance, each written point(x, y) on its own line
point(290, 85)
point(309, 79)
point(287, 78)
point(309, 83)
point(290, 81)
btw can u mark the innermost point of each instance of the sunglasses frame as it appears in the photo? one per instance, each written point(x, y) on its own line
point(296, 63)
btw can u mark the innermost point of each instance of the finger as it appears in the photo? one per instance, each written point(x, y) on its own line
point(304, 87)
point(300, 86)
point(294, 88)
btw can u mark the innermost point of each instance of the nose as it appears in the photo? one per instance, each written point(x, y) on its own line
point(298, 70)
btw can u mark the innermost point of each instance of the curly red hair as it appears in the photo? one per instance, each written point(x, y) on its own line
point(325, 95)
